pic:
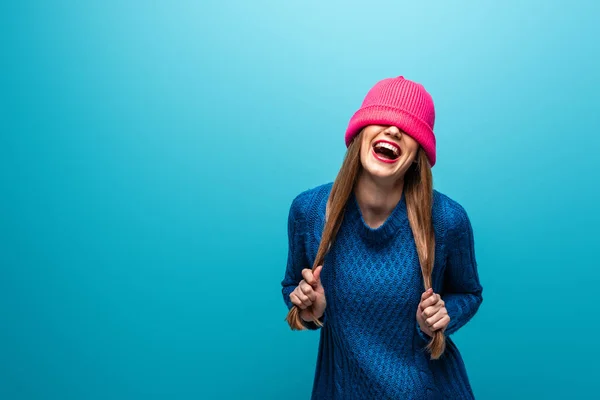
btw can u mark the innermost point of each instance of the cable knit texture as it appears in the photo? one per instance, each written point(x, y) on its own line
point(371, 346)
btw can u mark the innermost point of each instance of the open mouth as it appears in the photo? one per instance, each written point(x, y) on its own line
point(386, 151)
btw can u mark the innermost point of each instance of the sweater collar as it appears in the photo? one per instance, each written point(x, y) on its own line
point(397, 218)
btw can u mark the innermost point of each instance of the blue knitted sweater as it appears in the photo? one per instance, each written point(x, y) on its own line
point(371, 346)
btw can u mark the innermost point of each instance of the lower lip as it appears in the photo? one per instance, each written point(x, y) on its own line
point(385, 160)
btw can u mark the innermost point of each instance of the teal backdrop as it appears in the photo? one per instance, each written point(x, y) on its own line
point(150, 151)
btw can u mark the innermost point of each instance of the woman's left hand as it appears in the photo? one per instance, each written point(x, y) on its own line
point(431, 313)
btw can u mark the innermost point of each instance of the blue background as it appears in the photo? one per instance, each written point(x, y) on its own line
point(150, 151)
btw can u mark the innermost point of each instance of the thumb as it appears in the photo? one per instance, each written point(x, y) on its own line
point(426, 294)
point(317, 274)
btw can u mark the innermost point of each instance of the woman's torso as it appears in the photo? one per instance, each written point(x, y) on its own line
point(373, 283)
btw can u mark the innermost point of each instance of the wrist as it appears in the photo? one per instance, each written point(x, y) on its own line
point(314, 324)
point(423, 333)
point(310, 317)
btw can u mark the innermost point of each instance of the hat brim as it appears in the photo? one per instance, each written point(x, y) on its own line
point(408, 123)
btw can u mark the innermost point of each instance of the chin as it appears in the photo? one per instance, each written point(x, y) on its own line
point(380, 173)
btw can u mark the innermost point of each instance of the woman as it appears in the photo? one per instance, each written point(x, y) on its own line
point(393, 265)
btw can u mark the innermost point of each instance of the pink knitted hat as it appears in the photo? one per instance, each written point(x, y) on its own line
point(400, 102)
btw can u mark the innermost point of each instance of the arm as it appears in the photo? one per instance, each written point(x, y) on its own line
point(462, 289)
point(296, 260)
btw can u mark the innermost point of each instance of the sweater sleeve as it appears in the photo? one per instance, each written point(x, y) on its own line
point(462, 289)
point(296, 259)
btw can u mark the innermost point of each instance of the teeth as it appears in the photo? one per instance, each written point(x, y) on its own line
point(388, 146)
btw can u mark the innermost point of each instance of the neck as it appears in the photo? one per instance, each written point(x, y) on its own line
point(377, 198)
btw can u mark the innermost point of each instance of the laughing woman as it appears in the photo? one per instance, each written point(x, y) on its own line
point(393, 263)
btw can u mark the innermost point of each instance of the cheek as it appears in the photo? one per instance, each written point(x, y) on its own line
point(364, 151)
point(414, 147)
point(364, 154)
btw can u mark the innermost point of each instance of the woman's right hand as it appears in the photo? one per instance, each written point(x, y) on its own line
point(309, 295)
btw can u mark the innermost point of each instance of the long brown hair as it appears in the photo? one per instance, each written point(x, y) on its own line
point(418, 187)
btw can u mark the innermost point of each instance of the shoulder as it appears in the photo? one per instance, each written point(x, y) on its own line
point(308, 201)
point(450, 214)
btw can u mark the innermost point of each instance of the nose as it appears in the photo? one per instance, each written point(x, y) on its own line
point(393, 131)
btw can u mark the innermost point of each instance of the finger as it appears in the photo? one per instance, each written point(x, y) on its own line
point(296, 301)
point(304, 299)
point(308, 291)
point(431, 300)
point(431, 310)
point(308, 276)
point(442, 323)
point(317, 273)
point(435, 318)
point(426, 294)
